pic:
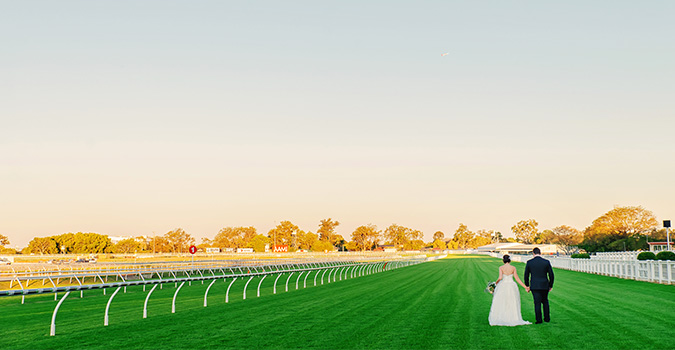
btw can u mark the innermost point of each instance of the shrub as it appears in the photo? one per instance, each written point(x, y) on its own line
point(581, 256)
point(665, 255)
point(646, 256)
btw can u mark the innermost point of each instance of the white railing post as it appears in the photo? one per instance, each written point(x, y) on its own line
point(298, 280)
point(324, 272)
point(173, 304)
point(305, 282)
point(259, 284)
point(107, 307)
point(227, 294)
point(275, 283)
point(246, 285)
point(288, 279)
point(52, 330)
point(207, 291)
point(145, 305)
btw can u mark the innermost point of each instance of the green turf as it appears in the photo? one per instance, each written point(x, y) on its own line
point(435, 305)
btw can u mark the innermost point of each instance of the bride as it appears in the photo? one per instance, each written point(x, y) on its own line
point(505, 310)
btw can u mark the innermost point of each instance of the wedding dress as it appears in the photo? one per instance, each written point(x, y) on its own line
point(505, 310)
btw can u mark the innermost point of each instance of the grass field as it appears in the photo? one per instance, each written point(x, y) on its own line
point(435, 305)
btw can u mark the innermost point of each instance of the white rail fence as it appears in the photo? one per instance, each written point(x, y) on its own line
point(620, 264)
point(631, 256)
point(658, 271)
point(334, 269)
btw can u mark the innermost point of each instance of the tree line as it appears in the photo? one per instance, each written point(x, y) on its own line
point(622, 228)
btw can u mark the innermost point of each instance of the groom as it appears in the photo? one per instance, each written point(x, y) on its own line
point(542, 283)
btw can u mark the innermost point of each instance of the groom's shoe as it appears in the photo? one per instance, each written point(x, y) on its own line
point(549, 320)
point(538, 322)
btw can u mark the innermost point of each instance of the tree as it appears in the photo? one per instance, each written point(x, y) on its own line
point(462, 236)
point(438, 235)
point(283, 234)
point(439, 243)
point(481, 238)
point(306, 240)
point(451, 244)
point(4, 240)
point(545, 237)
point(415, 244)
point(365, 237)
point(619, 227)
point(258, 243)
point(322, 246)
point(339, 242)
point(526, 231)
point(415, 241)
point(161, 245)
point(42, 245)
point(402, 237)
point(326, 231)
point(396, 235)
point(567, 238)
point(178, 240)
point(624, 222)
point(83, 243)
point(125, 246)
point(497, 238)
point(92, 243)
point(234, 237)
point(206, 243)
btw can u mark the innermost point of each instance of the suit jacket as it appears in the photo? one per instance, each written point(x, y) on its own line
point(542, 274)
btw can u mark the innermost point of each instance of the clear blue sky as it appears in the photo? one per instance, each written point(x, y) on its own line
point(134, 117)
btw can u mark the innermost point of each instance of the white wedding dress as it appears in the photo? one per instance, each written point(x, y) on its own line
point(505, 310)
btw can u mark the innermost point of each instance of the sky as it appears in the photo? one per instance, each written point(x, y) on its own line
point(139, 117)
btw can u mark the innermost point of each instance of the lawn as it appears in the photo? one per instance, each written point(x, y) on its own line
point(434, 305)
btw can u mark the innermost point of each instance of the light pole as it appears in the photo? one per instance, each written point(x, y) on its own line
point(666, 225)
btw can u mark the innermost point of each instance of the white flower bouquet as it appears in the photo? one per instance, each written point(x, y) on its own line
point(490, 288)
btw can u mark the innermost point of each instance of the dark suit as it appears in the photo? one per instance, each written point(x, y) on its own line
point(542, 282)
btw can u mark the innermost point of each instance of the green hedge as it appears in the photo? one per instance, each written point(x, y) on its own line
point(581, 256)
point(665, 255)
point(646, 256)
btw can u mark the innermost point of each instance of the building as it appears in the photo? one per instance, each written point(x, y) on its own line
point(517, 248)
point(387, 248)
point(117, 239)
point(660, 246)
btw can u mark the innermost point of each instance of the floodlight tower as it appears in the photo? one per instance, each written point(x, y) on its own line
point(666, 225)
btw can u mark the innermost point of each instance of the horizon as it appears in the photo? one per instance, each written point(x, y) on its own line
point(124, 118)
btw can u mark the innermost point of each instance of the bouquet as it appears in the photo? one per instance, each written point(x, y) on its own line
point(490, 288)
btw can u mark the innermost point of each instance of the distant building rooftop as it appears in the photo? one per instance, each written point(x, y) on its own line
point(517, 248)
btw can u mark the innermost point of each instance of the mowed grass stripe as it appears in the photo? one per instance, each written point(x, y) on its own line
point(435, 305)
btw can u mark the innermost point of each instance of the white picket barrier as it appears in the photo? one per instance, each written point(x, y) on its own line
point(616, 264)
point(658, 271)
point(630, 256)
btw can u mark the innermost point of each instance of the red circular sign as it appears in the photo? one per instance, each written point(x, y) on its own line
point(193, 249)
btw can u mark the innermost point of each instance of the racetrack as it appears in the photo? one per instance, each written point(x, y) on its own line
point(434, 305)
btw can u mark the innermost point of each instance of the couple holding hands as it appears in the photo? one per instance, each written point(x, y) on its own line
point(505, 310)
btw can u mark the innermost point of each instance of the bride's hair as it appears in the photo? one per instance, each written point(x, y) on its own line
point(506, 258)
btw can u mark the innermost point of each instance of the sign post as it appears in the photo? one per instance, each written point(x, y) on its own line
point(193, 250)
